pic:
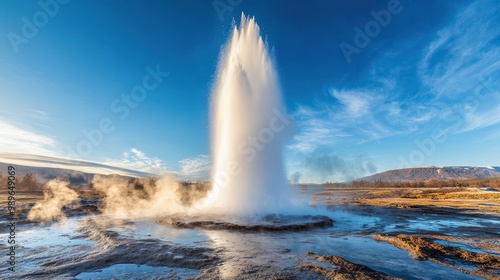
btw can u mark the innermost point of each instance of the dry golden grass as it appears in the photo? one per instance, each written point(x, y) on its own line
point(481, 195)
point(22, 198)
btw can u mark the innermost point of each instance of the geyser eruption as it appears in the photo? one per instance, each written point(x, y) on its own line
point(247, 126)
point(249, 188)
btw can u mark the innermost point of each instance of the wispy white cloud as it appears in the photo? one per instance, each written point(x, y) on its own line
point(318, 128)
point(480, 119)
point(351, 115)
point(457, 74)
point(394, 109)
point(136, 159)
point(493, 136)
point(462, 66)
point(196, 168)
point(71, 164)
point(360, 115)
point(464, 52)
point(16, 138)
point(356, 104)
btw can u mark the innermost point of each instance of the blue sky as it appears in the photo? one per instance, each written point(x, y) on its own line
point(422, 90)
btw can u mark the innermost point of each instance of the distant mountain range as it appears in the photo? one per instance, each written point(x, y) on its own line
point(434, 172)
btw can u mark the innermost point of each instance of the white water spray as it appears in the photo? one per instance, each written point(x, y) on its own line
point(247, 127)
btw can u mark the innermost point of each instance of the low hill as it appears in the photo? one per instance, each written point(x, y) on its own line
point(434, 173)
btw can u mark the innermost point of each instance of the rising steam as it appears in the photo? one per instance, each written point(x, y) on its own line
point(148, 197)
point(56, 195)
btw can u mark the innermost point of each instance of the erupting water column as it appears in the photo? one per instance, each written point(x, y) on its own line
point(247, 126)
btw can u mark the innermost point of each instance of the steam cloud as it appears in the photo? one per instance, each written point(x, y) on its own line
point(56, 195)
point(327, 167)
point(295, 178)
point(150, 197)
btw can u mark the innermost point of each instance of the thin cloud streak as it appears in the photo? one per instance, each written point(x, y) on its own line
point(20, 140)
point(457, 75)
point(470, 69)
point(196, 168)
point(80, 165)
point(135, 159)
point(356, 116)
point(464, 52)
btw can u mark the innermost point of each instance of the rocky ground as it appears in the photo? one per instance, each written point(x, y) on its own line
point(342, 269)
point(427, 248)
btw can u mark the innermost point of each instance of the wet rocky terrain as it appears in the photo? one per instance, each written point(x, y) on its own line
point(345, 241)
